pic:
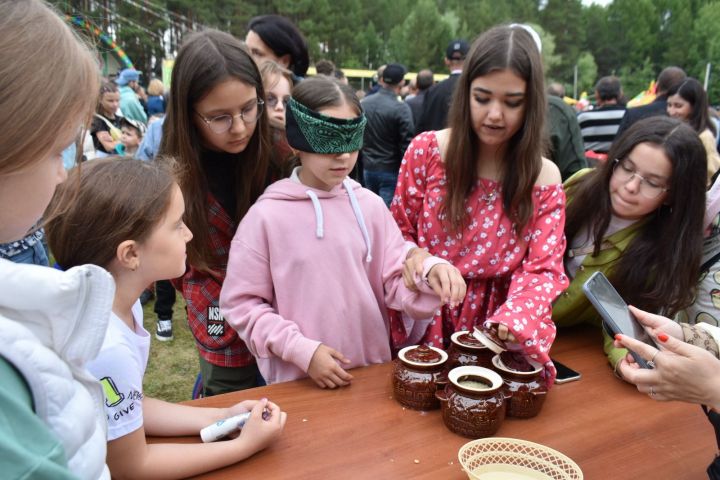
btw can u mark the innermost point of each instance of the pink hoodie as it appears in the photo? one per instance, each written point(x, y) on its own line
point(308, 267)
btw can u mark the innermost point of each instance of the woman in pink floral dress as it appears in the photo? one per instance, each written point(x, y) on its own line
point(480, 195)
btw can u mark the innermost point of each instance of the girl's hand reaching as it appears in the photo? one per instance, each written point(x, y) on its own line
point(448, 283)
point(262, 428)
point(413, 267)
point(326, 371)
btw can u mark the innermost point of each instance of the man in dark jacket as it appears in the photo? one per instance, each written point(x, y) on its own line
point(667, 79)
point(423, 81)
point(437, 99)
point(388, 133)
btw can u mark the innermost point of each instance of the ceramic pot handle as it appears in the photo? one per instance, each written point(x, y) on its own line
point(441, 395)
point(441, 379)
point(507, 393)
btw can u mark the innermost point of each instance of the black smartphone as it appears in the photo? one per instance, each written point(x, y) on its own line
point(565, 374)
point(615, 312)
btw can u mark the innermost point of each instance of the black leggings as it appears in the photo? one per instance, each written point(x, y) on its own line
point(165, 299)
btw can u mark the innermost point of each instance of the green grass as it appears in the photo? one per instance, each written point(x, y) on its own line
point(172, 366)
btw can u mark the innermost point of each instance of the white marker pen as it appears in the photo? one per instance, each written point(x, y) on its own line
point(223, 428)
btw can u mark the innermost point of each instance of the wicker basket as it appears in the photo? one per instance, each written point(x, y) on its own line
point(509, 458)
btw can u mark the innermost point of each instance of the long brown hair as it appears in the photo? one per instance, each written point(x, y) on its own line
point(103, 204)
point(205, 60)
point(659, 269)
point(35, 40)
point(693, 92)
point(497, 49)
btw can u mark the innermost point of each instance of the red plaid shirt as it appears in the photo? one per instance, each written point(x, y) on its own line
point(217, 341)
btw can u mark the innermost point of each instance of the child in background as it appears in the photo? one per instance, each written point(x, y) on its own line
point(52, 423)
point(155, 99)
point(277, 82)
point(132, 132)
point(639, 220)
point(105, 128)
point(216, 129)
point(318, 259)
point(142, 241)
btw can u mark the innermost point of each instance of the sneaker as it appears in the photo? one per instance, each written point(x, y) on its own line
point(163, 330)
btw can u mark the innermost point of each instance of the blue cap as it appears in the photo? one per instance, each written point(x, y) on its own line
point(128, 75)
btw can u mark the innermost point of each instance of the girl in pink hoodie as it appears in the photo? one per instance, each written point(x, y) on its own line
point(318, 259)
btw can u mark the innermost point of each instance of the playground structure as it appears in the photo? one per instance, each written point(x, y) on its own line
point(112, 56)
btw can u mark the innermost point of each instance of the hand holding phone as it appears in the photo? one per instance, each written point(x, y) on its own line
point(615, 312)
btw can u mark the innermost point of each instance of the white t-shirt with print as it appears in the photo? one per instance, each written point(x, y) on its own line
point(120, 367)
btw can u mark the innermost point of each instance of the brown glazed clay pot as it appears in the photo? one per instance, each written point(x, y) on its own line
point(416, 372)
point(473, 402)
point(528, 389)
point(465, 350)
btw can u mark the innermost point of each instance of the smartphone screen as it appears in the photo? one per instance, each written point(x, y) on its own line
point(614, 310)
point(564, 373)
point(620, 317)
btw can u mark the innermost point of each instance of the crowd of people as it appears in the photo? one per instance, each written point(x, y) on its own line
point(310, 231)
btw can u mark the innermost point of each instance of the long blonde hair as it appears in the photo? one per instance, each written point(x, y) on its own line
point(35, 106)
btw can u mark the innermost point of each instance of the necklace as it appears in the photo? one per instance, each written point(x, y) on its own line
point(488, 197)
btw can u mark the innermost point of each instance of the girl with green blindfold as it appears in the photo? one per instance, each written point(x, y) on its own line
point(318, 260)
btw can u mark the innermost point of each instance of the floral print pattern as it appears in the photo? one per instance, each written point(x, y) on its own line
point(512, 277)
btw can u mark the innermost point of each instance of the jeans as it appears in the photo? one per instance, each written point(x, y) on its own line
point(382, 183)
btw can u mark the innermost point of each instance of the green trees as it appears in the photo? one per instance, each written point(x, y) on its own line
point(634, 39)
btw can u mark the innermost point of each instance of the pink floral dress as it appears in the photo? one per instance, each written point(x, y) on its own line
point(512, 277)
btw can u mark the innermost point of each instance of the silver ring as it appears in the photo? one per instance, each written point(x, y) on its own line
point(651, 363)
point(652, 391)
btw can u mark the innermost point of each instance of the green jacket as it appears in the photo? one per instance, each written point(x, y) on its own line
point(29, 449)
point(131, 106)
point(568, 149)
point(572, 306)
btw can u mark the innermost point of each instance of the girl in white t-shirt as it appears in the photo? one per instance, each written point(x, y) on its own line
point(127, 216)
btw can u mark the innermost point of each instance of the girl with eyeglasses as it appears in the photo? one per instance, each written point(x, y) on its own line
point(216, 129)
point(277, 81)
point(639, 220)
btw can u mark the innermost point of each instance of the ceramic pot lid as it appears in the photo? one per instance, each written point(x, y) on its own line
point(422, 355)
point(493, 343)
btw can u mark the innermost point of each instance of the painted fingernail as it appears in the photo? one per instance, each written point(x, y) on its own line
point(618, 337)
point(662, 337)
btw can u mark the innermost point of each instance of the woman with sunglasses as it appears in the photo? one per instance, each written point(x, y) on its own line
point(216, 130)
point(277, 81)
point(639, 220)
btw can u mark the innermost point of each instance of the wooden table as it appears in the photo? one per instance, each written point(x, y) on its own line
point(610, 429)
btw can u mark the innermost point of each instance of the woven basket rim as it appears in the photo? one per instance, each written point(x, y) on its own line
point(566, 465)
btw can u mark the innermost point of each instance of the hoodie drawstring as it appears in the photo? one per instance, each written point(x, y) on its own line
point(359, 217)
point(319, 229)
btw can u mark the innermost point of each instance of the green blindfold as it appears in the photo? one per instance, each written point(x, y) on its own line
point(310, 131)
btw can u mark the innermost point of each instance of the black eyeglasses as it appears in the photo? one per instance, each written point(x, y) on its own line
point(223, 123)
